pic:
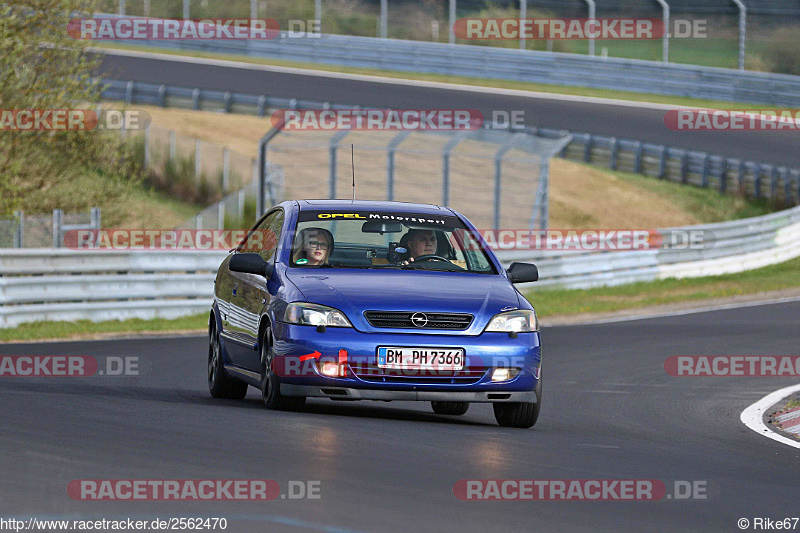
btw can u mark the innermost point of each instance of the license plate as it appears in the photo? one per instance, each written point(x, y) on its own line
point(420, 358)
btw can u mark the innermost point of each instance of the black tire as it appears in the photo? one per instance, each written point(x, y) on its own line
point(519, 414)
point(271, 384)
point(450, 408)
point(220, 384)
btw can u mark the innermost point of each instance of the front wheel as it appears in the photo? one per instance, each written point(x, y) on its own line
point(450, 408)
point(519, 414)
point(270, 382)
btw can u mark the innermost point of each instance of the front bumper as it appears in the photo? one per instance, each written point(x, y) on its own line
point(347, 393)
point(483, 353)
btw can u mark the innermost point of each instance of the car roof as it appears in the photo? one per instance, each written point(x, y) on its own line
point(365, 205)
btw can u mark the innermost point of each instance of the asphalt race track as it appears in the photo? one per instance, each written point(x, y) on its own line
point(610, 412)
point(624, 122)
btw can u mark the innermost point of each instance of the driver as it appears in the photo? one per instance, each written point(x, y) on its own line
point(420, 242)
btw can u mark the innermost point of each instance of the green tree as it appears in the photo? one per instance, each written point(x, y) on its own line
point(43, 67)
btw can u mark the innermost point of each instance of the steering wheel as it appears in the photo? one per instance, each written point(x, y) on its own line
point(431, 257)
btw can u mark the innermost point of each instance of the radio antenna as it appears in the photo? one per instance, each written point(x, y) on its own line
point(353, 165)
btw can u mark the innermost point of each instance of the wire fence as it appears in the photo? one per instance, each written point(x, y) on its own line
point(499, 177)
point(192, 169)
point(44, 231)
point(237, 210)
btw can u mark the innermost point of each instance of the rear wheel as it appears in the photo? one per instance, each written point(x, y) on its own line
point(450, 408)
point(220, 385)
point(519, 414)
point(270, 382)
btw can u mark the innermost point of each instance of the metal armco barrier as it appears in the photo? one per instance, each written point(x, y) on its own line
point(39, 284)
point(135, 92)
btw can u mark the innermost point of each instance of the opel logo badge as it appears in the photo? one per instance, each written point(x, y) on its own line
point(419, 319)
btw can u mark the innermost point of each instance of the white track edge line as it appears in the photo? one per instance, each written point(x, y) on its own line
point(752, 417)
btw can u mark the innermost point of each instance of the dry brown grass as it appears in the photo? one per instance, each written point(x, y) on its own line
point(582, 196)
point(238, 132)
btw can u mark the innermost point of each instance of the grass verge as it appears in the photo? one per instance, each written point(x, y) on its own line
point(462, 80)
point(551, 302)
point(85, 328)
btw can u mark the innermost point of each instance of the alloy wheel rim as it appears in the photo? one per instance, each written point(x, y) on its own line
point(213, 360)
point(266, 372)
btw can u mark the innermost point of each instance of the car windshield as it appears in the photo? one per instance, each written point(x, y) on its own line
point(386, 240)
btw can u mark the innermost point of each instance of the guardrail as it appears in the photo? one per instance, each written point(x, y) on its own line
point(39, 284)
point(727, 247)
point(631, 75)
point(750, 179)
point(135, 92)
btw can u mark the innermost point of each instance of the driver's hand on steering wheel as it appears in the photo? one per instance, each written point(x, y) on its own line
point(426, 257)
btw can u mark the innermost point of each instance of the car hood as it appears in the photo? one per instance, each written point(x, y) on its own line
point(354, 292)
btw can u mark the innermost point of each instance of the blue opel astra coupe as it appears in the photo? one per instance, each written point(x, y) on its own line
point(363, 300)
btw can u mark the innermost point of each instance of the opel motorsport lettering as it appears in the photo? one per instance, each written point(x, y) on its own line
point(360, 300)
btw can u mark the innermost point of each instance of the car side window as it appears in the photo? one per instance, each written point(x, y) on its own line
point(265, 237)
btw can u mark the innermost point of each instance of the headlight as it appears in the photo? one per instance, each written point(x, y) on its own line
point(315, 315)
point(519, 321)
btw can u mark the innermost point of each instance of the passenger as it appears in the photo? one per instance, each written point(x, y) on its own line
point(315, 247)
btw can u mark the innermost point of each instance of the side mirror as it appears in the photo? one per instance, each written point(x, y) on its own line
point(250, 263)
point(522, 272)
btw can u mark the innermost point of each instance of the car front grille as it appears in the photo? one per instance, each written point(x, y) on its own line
point(413, 320)
point(374, 374)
